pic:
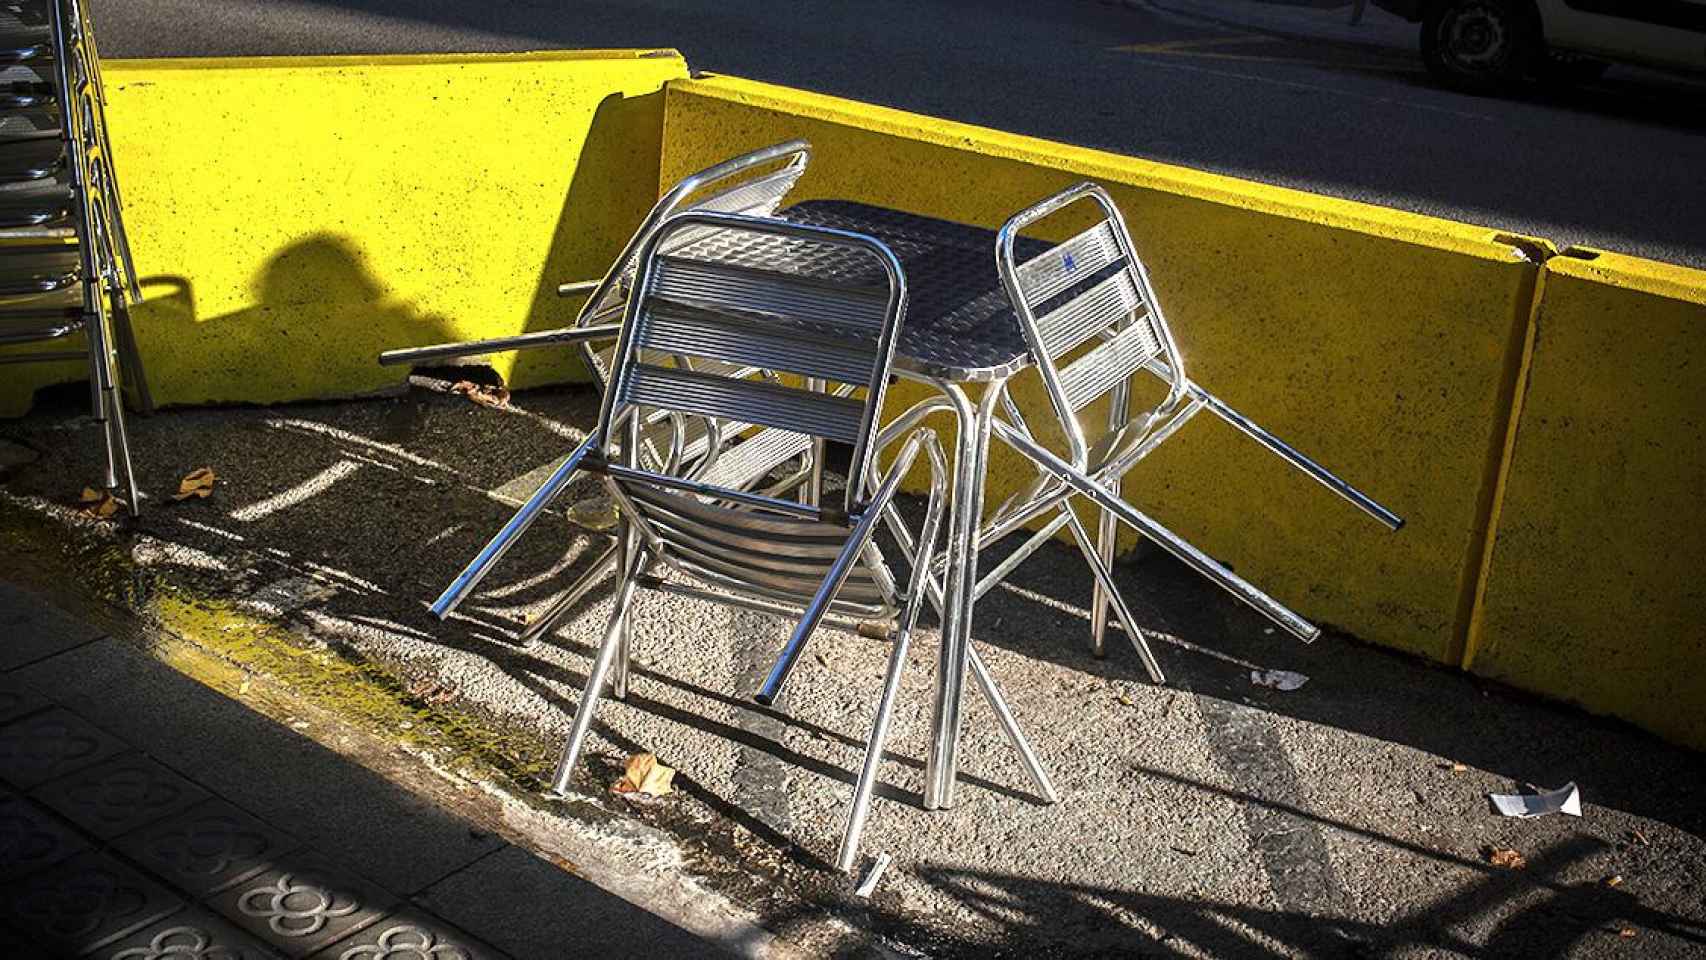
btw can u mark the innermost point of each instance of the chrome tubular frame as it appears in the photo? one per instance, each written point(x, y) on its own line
point(686, 522)
point(1100, 482)
point(737, 189)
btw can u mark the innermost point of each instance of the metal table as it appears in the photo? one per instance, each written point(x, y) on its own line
point(959, 329)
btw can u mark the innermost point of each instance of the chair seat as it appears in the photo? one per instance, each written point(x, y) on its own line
point(750, 550)
point(23, 95)
point(17, 125)
point(35, 209)
point(33, 159)
point(33, 328)
point(32, 272)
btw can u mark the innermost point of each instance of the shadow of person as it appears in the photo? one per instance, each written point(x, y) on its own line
point(317, 316)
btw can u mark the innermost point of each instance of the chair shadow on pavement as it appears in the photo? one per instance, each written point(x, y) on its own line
point(347, 518)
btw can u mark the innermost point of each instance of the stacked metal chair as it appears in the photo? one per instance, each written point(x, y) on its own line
point(718, 452)
point(65, 265)
point(699, 538)
point(1093, 323)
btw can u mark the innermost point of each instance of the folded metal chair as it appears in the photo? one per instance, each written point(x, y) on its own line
point(1092, 322)
point(65, 265)
point(752, 184)
point(698, 538)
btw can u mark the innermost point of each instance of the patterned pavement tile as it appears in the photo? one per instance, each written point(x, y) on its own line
point(193, 934)
point(51, 744)
point(409, 935)
point(31, 839)
point(84, 903)
point(302, 903)
point(17, 700)
point(119, 795)
point(208, 847)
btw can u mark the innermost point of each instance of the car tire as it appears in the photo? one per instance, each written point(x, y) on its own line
point(1481, 46)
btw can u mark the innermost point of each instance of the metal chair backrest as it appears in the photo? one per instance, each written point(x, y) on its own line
point(753, 184)
point(1091, 287)
point(759, 312)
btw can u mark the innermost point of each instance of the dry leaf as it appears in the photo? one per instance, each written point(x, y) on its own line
point(197, 483)
point(1459, 767)
point(1615, 880)
point(1640, 838)
point(97, 503)
point(1627, 933)
point(594, 513)
point(645, 776)
point(1505, 857)
point(483, 395)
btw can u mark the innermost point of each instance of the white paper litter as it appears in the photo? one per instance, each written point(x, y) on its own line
point(1278, 679)
point(868, 885)
point(1565, 799)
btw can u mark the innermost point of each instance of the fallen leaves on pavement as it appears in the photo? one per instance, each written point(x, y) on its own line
point(645, 776)
point(1615, 880)
point(485, 396)
point(197, 483)
point(1505, 857)
point(97, 503)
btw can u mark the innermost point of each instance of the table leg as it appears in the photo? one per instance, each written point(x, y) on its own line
point(970, 461)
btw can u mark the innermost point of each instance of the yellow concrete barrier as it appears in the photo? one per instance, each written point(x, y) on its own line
point(1593, 590)
point(1382, 343)
point(291, 217)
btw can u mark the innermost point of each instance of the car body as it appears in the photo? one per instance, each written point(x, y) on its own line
point(1547, 33)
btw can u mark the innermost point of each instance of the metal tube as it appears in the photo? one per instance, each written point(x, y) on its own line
point(839, 571)
point(1105, 586)
point(1167, 539)
point(746, 603)
point(475, 348)
point(941, 766)
point(578, 286)
point(595, 678)
point(494, 549)
point(547, 621)
point(862, 791)
point(1019, 556)
point(1287, 453)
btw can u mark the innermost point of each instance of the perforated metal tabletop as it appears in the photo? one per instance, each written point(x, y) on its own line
point(959, 325)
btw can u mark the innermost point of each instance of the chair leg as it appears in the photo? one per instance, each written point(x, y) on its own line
point(115, 411)
point(861, 808)
point(624, 635)
point(596, 677)
point(1105, 582)
point(1106, 530)
point(548, 620)
point(130, 358)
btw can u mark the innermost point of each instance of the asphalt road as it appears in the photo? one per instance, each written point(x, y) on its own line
point(1616, 166)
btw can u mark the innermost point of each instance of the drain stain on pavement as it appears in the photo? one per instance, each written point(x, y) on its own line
point(760, 780)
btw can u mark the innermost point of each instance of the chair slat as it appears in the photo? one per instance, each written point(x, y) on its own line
point(1089, 313)
point(723, 286)
point(668, 329)
point(1049, 273)
point(750, 401)
point(1109, 364)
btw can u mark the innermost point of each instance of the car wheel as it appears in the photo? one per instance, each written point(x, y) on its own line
point(1480, 46)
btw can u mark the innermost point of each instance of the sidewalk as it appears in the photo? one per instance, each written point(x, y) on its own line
point(1378, 29)
point(285, 663)
point(147, 817)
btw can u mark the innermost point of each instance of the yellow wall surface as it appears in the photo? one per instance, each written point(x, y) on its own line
point(1381, 343)
point(1593, 591)
point(292, 217)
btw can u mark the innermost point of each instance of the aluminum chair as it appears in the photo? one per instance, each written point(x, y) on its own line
point(753, 184)
point(1092, 322)
point(65, 264)
point(694, 537)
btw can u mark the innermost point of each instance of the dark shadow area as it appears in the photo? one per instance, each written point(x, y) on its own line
point(379, 842)
point(1605, 165)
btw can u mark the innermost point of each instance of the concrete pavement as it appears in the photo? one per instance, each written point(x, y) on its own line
point(145, 814)
point(1211, 817)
